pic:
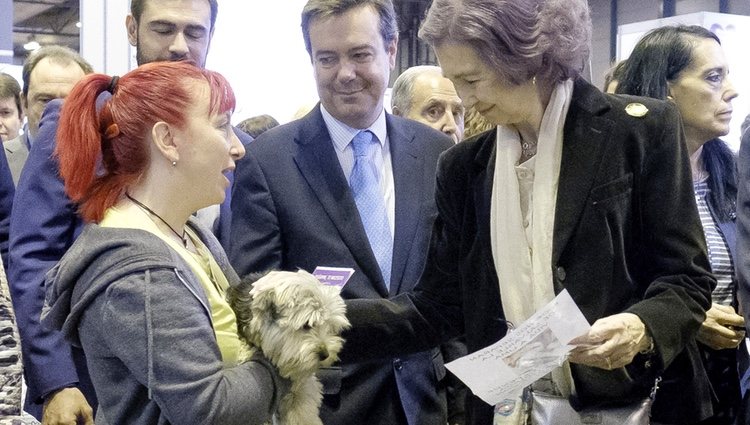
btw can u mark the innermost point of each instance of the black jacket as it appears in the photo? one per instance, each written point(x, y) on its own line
point(627, 238)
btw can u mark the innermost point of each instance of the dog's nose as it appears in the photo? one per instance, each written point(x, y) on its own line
point(323, 354)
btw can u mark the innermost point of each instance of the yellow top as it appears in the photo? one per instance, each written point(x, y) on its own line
point(205, 268)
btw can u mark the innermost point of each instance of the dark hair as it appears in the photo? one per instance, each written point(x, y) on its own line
point(315, 9)
point(9, 87)
point(614, 74)
point(59, 54)
point(136, 9)
point(659, 58)
point(255, 126)
point(102, 152)
point(519, 39)
point(721, 164)
point(745, 125)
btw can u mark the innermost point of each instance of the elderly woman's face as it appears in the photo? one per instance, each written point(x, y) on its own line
point(480, 87)
point(703, 92)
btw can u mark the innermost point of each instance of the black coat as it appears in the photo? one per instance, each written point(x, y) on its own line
point(627, 238)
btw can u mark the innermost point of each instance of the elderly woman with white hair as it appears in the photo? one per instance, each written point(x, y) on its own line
point(575, 190)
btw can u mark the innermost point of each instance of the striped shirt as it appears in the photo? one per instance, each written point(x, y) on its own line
point(718, 251)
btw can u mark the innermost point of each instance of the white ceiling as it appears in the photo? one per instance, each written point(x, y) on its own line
point(46, 21)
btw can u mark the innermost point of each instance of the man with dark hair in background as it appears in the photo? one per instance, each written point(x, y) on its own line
point(11, 113)
point(257, 125)
point(11, 121)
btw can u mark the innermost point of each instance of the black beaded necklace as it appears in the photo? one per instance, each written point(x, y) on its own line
point(182, 237)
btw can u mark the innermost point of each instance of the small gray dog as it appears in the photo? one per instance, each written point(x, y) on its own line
point(295, 321)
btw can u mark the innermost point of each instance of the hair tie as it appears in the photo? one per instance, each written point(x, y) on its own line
point(113, 84)
point(112, 131)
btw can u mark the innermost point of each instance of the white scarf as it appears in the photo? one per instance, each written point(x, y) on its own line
point(525, 272)
point(524, 269)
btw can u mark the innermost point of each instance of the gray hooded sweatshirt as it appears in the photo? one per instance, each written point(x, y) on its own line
point(142, 318)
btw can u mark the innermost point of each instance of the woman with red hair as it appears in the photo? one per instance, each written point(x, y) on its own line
point(142, 288)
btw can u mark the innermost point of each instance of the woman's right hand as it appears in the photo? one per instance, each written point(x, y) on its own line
point(612, 342)
point(723, 328)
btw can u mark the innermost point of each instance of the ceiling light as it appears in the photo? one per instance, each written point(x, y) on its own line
point(32, 45)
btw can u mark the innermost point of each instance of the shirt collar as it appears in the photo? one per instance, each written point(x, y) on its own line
point(27, 139)
point(342, 134)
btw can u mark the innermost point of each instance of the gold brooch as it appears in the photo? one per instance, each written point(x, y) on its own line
point(636, 110)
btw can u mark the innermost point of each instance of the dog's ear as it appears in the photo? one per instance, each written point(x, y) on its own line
point(239, 294)
point(264, 304)
point(240, 298)
point(336, 308)
point(241, 291)
point(273, 312)
point(249, 279)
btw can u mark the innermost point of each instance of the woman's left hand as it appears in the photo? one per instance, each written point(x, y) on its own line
point(612, 342)
point(723, 328)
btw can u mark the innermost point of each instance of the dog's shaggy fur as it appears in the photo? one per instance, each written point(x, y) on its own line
point(295, 321)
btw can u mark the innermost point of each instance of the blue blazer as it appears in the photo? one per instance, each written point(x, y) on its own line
point(292, 208)
point(741, 255)
point(43, 225)
point(7, 191)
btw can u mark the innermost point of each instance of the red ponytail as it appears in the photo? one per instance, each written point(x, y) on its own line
point(102, 154)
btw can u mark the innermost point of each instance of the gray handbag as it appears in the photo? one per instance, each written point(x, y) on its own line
point(549, 409)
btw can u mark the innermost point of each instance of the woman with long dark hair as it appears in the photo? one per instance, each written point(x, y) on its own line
point(686, 65)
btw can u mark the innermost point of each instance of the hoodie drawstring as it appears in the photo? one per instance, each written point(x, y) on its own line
point(149, 335)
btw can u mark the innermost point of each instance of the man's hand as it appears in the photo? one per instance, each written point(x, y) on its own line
point(723, 328)
point(67, 406)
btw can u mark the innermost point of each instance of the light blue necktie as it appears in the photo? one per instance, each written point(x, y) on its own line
point(370, 203)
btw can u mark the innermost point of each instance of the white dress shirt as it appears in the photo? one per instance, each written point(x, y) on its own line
point(342, 134)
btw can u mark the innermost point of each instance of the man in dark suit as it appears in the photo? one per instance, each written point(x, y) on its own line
point(49, 73)
point(297, 203)
point(743, 255)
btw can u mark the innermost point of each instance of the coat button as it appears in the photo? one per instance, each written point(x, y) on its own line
point(560, 273)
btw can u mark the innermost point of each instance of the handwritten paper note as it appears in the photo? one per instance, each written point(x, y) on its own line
point(529, 352)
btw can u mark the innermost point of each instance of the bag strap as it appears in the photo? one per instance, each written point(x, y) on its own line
point(655, 388)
